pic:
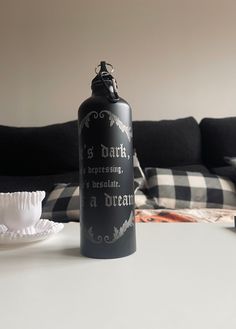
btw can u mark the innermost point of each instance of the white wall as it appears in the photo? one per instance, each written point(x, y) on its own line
point(173, 58)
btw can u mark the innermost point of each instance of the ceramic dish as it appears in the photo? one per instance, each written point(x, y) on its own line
point(43, 229)
point(19, 210)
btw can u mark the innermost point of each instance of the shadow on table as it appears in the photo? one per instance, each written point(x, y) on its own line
point(231, 229)
point(71, 252)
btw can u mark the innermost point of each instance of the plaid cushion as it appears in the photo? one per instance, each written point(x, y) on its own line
point(142, 199)
point(62, 204)
point(139, 177)
point(178, 189)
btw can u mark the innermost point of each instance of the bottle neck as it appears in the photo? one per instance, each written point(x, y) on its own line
point(99, 90)
point(105, 90)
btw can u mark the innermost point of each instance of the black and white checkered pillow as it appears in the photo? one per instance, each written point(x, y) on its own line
point(62, 204)
point(178, 189)
point(139, 177)
point(142, 199)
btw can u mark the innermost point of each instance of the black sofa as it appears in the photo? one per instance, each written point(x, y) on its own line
point(36, 158)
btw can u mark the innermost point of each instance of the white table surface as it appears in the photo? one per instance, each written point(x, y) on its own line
point(182, 276)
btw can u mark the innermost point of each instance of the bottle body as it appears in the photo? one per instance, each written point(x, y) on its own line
point(106, 179)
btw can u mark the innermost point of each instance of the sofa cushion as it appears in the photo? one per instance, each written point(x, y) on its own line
point(62, 204)
point(231, 161)
point(195, 168)
point(167, 143)
point(142, 199)
point(178, 189)
point(33, 183)
point(218, 140)
point(39, 151)
point(228, 172)
point(139, 176)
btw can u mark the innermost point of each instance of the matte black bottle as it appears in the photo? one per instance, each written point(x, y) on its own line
point(106, 171)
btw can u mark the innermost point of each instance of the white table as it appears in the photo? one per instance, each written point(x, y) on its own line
point(182, 276)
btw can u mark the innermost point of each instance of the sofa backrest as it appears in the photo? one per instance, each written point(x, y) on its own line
point(168, 143)
point(53, 149)
point(38, 151)
point(218, 140)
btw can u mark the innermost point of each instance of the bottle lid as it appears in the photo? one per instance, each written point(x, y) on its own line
point(106, 80)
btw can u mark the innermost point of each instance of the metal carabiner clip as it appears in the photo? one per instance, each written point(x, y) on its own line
point(103, 69)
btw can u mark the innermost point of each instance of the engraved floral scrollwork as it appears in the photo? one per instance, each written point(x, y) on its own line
point(90, 235)
point(86, 119)
point(113, 119)
point(117, 232)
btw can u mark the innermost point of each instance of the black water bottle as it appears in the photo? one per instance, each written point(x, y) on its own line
point(106, 171)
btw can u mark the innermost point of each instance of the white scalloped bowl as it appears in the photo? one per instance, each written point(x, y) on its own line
point(42, 230)
point(20, 210)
